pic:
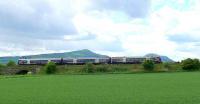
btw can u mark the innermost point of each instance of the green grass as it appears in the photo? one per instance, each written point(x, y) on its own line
point(146, 88)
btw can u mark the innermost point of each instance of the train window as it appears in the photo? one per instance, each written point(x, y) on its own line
point(56, 61)
point(23, 62)
point(130, 59)
point(134, 60)
point(103, 60)
point(67, 61)
point(117, 60)
point(38, 61)
point(86, 60)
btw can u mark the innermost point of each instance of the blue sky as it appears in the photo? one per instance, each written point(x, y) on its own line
point(112, 27)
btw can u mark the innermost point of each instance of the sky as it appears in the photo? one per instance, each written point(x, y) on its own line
point(111, 27)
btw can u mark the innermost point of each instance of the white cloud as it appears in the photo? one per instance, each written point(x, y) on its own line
point(114, 27)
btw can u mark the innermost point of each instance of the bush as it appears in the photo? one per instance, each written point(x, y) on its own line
point(89, 68)
point(148, 65)
point(1, 68)
point(172, 66)
point(167, 65)
point(11, 63)
point(50, 68)
point(103, 68)
point(190, 64)
point(119, 69)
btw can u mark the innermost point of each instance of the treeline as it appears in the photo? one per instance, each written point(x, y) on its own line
point(147, 66)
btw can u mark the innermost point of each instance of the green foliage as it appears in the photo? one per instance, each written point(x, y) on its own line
point(148, 65)
point(2, 66)
point(167, 65)
point(119, 69)
point(102, 68)
point(50, 68)
point(89, 68)
point(11, 63)
point(190, 64)
point(170, 66)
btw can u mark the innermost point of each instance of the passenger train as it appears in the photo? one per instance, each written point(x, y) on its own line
point(79, 61)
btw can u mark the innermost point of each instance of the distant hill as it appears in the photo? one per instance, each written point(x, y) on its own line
point(152, 55)
point(163, 58)
point(4, 60)
point(73, 54)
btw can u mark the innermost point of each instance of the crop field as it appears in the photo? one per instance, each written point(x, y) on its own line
point(146, 88)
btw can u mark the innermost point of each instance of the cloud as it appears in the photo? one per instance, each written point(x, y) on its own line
point(184, 38)
point(26, 25)
point(36, 26)
point(187, 44)
point(34, 18)
point(114, 27)
point(133, 8)
point(197, 44)
point(80, 37)
point(95, 45)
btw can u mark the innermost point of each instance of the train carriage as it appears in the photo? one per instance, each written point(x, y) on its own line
point(118, 60)
point(56, 61)
point(86, 60)
point(68, 61)
point(111, 60)
point(23, 62)
point(104, 60)
point(157, 60)
point(134, 60)
point(38, 61)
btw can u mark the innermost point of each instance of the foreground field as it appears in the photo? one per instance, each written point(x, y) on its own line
point(155, 88)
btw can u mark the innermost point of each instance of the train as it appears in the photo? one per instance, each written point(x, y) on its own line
point(80, 61)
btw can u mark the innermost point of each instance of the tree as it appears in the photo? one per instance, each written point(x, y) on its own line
point(148, 65)
point(50, 68)
point(11, 63)
point(190, 64)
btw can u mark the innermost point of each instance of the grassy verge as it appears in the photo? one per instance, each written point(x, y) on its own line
point(80, 69)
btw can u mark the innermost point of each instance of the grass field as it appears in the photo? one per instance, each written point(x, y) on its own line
point(146, 88)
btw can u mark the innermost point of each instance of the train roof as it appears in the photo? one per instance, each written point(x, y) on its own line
point(83, 58)
point(62, 58)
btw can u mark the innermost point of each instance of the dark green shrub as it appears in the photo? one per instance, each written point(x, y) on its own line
point(167, 65)
point(89, 68)
point(119, 69)
point(11, 63)
point(103, 68)
point(190, 64)
point(172, 66)
point(148, 65)
point(1, 68)
point(50, 68)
